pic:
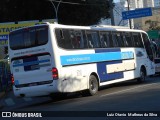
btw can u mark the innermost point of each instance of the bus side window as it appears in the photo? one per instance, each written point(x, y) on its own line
point(85, 42)
point(67, 39)
point(96, 42)
point(79, 39)
point(90, 41)
point(73, 39)
point(61, 34)
point(110, 40)
point(93, 39)
point(60, 40)
point(76, 39)
point(114, 39)
point(104, 39)
point(148, 47)
point(119, 38)
point(128, 40)
point(124, 40)
point(137, 40)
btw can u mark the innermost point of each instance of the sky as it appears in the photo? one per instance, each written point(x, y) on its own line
point(116, 0)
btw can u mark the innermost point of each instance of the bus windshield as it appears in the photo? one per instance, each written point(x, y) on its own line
point(29, 37)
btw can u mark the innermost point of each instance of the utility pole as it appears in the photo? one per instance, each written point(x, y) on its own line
point(111, 12)
point(128, 2)
point(56, 9)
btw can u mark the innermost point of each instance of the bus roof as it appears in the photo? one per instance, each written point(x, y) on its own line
point(94, 27)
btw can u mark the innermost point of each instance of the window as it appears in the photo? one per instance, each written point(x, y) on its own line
point(147, 45)
point(84, 39)
point(29, 37)
point(69, 39)
point(128, 39)
point(61, 34)
point(76, 39)
point(60, 38)
point(80, 39)
point(105, 39)
point(16, 41)
point(114, 39)
point(137, 40)
point(66, 41)
point(120, 40)
point(93, 39)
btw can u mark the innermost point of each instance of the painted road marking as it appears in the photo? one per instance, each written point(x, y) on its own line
point(127, 90)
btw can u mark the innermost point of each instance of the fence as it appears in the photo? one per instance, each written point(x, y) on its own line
point(5, 75)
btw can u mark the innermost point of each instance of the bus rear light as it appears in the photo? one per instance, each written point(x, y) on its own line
point(12, 79)
point(54, 73)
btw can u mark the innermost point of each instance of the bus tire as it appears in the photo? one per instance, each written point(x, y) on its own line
point(93, 85)
point(142, 77)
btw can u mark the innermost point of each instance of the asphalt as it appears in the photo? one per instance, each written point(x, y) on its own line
point(1, 96)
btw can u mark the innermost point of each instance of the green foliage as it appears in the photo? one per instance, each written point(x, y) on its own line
point(88, 13)
point(153, 25)
point(85, 12)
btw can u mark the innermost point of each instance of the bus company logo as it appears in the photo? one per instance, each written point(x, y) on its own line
point(6, 114)
point(139, 54)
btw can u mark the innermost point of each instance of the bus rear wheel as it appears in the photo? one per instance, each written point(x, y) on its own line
point(93, 85)
point(142, 77)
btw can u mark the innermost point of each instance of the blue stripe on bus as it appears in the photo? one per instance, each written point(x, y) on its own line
point(102, 70)
point(95, 57)
point(31, 63)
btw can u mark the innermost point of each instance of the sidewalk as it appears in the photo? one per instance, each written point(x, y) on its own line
point(2, 94)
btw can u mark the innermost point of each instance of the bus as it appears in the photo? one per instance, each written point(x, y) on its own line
point(50, 58)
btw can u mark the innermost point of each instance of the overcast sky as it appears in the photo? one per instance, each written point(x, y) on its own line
point(116, 0)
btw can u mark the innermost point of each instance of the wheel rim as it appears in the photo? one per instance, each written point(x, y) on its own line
point(93, 85)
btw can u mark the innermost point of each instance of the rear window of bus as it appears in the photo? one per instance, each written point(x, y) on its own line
point(28, 37)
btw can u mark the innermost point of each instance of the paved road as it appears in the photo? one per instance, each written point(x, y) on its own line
point(128, 96)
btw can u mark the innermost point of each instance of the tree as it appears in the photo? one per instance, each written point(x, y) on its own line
point(87, 13)
point(21, 10)
point(153, 25)
point(84, 12)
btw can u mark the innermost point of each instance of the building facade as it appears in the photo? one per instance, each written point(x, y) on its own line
point(157, 3)
point(133, 4)
point(148, 3)
point(146, 23)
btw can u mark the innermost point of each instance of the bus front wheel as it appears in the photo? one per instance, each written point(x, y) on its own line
point(142, 77)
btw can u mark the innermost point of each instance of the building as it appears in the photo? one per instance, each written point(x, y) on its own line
point(133, 4)
point(141, 3)
point(154, 20)
point(148, 3)
point(156, 3)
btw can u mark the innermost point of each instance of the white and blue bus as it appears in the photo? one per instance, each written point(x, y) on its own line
point(50, 58)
